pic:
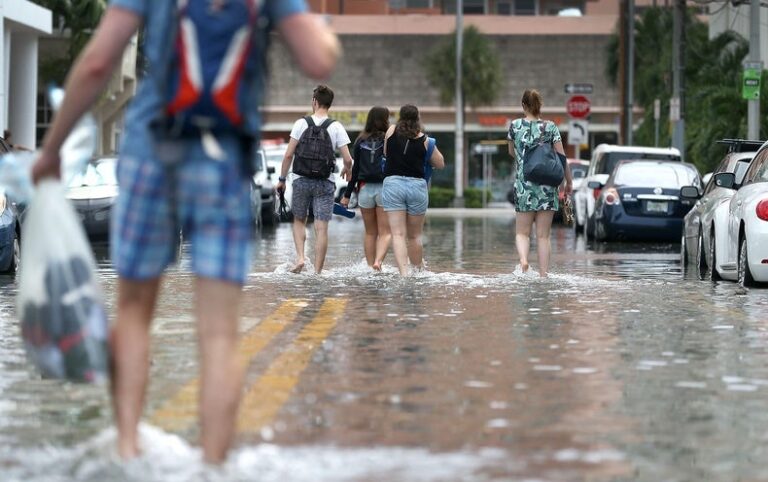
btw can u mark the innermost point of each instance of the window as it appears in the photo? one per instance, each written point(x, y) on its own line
point(667, 176)
point(758, 170)
point(526, 7)
point(504, 7)
point(398, 4)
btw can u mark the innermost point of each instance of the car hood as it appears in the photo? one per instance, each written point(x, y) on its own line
point(91, 192)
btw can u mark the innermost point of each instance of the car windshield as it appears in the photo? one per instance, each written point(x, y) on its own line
point(275, 158)
point(612, 159)
point(100, 173)
point(578, 171)
point(259, 164)
point(740, 170)
point(663, 175)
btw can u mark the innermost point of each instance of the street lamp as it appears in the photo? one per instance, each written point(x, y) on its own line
point(459, 131)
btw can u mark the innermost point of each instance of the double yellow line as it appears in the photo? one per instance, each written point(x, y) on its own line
point(264, 399)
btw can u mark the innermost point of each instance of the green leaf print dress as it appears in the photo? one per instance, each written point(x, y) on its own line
point(524, 134)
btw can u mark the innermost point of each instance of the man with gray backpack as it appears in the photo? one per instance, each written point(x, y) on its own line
point(311, 151)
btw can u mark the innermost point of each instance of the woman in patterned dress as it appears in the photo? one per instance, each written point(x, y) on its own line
point(534, 202)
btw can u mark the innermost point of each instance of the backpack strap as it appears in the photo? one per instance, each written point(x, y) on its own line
point(310, 121)
point(326, 123)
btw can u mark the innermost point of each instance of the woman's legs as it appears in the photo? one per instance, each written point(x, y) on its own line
point(384, 238)
point(543, 246)
point(371, 234)
point(397, 225)
point(523, 224)
point(414, 228)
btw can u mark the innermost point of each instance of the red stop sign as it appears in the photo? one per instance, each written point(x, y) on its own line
point(578, 106)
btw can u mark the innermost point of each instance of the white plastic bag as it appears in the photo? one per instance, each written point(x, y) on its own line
point(59, 304)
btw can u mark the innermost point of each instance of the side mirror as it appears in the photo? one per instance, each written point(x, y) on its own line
point(270, 170)
point(725, 180)
point(690, 192)
point(595, 185)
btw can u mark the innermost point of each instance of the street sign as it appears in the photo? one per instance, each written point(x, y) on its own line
point(578, 106)
point(750, 88)
point(674, 109)
point(657, 109)
point(486, 149)
point(578, 88)
point(578, 132)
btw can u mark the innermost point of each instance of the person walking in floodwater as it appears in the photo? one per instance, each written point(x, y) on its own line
point(176, 170)
point(368, 181)
point(534, 203)
point(404, 194)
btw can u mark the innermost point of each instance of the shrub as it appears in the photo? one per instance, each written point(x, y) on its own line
point(473, 197)
point(440, 197)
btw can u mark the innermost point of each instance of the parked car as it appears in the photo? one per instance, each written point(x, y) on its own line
point(10, 235)
point(263, 183)
point(641, 200)
point(745, 257)
point(604, 159)
point(705, 227)
point(579, 170)
point(93, 193)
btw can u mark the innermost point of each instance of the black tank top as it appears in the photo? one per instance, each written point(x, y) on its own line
point(405, 157)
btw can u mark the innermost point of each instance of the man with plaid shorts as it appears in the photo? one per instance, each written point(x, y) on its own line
point(317, 193)
point(187, 184)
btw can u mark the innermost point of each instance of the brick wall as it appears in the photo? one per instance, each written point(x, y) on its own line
point(388, 70)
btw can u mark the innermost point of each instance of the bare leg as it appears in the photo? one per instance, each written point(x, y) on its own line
point(415, 226)
point(523, 224)
point(543, 245)
point(217, 307)
point(397, 226)
point(371, 233)
point(130, 351)
point(384, 239)
point(299, 239)
point(321, 244)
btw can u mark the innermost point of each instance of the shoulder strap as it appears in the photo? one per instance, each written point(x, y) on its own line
point(310, 121)
point(326, 123)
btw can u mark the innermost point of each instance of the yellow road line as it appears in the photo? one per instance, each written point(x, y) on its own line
point(180, 410)
point(273, 389)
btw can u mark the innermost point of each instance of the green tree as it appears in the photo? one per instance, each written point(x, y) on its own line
point(78, 19)
point(714, 108)
point(481, 69)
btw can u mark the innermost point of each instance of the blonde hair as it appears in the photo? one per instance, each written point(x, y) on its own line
point(532, 101)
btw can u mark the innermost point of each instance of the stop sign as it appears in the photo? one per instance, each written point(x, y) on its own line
point(578, 107)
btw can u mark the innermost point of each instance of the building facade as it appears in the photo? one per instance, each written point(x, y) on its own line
point(22, 23)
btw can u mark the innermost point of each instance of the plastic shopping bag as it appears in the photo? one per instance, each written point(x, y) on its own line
point(59, 304)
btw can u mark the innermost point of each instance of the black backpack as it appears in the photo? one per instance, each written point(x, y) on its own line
point(314, 156)
point(369, 155)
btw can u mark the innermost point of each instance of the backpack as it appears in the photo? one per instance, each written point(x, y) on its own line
point(314, 157)
point(427, 165)
point(210, 58)
point(369, 157)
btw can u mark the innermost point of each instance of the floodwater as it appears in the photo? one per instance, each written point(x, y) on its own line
point(618, 367)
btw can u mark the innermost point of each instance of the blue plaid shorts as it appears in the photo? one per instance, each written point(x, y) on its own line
point(208, 200)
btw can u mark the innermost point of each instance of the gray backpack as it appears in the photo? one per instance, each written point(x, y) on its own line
point(314, 157)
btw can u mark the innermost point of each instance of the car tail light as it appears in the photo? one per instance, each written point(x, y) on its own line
point(596, 193)
point(611, 197)
point(762, 210)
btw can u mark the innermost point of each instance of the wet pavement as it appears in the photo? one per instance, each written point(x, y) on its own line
point(618, 367)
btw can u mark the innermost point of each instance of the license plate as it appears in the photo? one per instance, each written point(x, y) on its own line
point(656, 206)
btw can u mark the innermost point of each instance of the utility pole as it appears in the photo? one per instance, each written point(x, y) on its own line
point(630, 97)
point(623, 72)
point(677, 103)
point(459, 131)
point(753, 105)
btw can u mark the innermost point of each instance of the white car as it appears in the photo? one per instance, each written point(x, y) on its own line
point(604, 159)
point(705, 228)
point(745, 257)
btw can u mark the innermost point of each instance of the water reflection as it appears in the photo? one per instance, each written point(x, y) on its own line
point(617, 367)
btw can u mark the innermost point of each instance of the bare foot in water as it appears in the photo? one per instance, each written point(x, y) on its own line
point(298, 267)
point(524, 267)
point(376, 266)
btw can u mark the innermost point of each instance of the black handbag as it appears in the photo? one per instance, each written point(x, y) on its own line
point(541, 163)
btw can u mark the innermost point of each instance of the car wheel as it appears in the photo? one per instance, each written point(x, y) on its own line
point(16, 258)
point(745, 276)
point(588, 233)
point(701, 259)
point(713, 274)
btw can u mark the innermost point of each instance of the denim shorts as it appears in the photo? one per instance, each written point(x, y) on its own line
point(407, 194)
point(209, 200)
point(369, 196)
point(317, 193)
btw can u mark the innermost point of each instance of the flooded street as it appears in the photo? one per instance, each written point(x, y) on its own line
point(618, 367)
